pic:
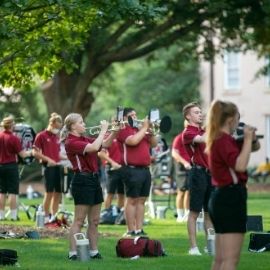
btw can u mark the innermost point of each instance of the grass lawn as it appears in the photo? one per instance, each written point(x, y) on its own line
point(49, 253)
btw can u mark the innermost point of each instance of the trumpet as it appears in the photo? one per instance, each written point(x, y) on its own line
point(115, 126)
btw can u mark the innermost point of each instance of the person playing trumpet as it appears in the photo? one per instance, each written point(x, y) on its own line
point(136, 156)
point(85, 186)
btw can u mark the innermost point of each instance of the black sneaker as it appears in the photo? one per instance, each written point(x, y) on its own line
point(141, 233)
point(129, 234)
point(73, 257)
point(97, 256)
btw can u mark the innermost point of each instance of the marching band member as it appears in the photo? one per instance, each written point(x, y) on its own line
point(199, 177)
point(136, 153)
point(113, 158)
point(47, 150)
point(228, 161)
point(10, 147)
point(85, 186)
point(182, 166)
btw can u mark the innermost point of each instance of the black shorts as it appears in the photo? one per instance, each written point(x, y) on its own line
point(53, 179)
point(115, 181)
point(137, 181)
point(9, 178)
point(200, 189)
point(86, 189)
point(182, 180)
point(228, 209)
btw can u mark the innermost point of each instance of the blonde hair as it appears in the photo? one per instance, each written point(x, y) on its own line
point(55, 117)
point(189, 106)
point(70, 119)
point(8, 122)
point(217, 115)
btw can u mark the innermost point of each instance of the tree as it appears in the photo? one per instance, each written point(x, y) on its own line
point(71, 43)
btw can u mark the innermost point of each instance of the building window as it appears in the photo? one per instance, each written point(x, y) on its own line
point(232, 71)
point(267, 135)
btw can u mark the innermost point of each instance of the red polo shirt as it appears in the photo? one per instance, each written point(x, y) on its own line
point(81, 161)
point(179, 146)
point(195, 150)
point(49, 144)
point(115, 152)
point(137, 155)
point(223, 155)
point(10, 146)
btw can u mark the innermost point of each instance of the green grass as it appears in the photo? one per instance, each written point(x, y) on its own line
point(52, 253)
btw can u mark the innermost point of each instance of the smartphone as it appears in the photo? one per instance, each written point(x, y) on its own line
point(120, 114)
point(154, 115)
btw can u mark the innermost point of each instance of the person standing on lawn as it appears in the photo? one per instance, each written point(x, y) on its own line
point(136, 144)
point(10, 148)
point(85, 186)
point(182, 167)
point(199, 176)
point(47, 151)
point(228, 161)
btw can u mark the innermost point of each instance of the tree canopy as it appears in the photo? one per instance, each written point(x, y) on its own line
point(69, 43)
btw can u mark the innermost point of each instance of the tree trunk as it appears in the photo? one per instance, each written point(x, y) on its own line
point(61, 94)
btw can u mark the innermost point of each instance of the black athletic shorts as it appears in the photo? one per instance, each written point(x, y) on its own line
point(53, 179)
point(9, 178)
point(115, 181)
point(200, 189)
point(228, 209)
point(137, 181)
point(86, 189)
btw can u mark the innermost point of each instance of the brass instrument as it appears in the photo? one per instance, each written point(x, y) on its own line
point(114, 126)
point(158, 125)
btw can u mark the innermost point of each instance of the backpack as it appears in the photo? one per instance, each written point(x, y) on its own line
point(259, 242)
point(8, 257)
point(120, 219)
point(107, 216)
point(139, 246)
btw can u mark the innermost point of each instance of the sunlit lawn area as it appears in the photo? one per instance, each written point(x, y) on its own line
point(49, 253)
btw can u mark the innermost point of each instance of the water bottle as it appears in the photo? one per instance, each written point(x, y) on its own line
point(40, 217)
point(29, 192)
point(200, 223)
point(114, 211)
point(82, 246)
point(211, 241)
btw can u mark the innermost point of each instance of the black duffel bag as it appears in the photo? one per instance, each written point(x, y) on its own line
point(8, 256)
point(259, 242)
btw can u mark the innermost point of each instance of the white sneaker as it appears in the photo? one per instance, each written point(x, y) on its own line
point(194, 251)
point(179, 219)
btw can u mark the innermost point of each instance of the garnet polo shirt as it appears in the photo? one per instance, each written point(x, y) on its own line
point(223, 155)
point(179, 146)
point(10, 146)
point(197, 149)
point(115, 152)
point(49, 144)
point(80, 160)
point(137, 155)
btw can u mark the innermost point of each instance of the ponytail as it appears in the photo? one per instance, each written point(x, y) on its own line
point(71, 119)
point(217, 115)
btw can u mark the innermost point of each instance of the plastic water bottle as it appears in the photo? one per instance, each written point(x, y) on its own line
point(200, 223)
point(211, 241)
point(82, 246)
point(29, 192)
point(114, 211)
point(40, 217)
